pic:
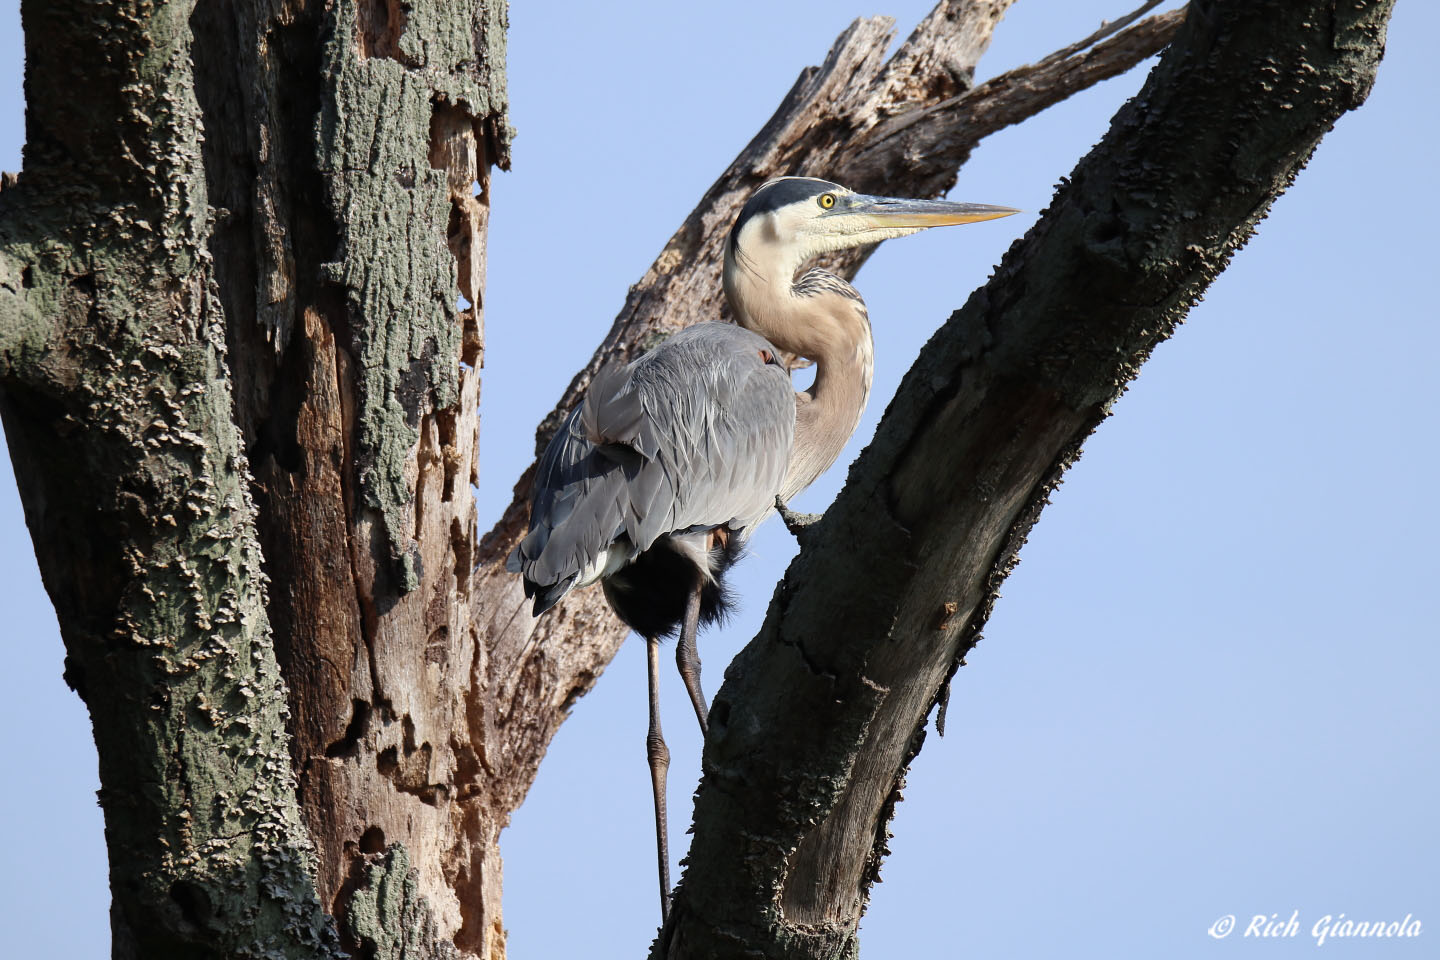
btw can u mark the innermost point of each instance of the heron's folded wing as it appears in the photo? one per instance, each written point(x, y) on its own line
point(612, 415)
point(724, 413)
point(695, 434)
point(575, 510)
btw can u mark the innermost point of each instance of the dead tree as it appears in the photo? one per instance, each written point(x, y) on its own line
point(241, 404)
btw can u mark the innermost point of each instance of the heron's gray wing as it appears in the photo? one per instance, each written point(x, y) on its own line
point(723, 414)
point(571, 475)
point(695, 434)
point(613, 413)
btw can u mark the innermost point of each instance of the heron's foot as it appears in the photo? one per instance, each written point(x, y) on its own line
point(797, 523)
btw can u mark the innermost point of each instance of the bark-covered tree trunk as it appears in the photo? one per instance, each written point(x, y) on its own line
point(118, 410)
point(232, 353)
point(241, 403)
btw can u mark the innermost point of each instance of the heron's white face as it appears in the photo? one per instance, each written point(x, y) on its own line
point(838, 220)
point(790, 220)
point(830, 217)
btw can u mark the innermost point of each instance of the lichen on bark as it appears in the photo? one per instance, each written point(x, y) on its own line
point(134, 480)
point(388, 917)
point(388, 81)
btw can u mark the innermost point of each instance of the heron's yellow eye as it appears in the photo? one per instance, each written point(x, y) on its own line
point(827, 200)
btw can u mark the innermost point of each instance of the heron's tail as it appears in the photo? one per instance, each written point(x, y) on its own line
point(547, 596)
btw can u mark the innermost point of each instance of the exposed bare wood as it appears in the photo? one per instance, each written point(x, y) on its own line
point(1107, 29)
point(286, 194)
point(952, 128)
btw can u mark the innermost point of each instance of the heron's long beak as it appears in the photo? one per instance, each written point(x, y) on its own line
point(885, 212)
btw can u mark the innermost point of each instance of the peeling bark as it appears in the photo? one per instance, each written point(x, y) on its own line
point(358, 391)
point(230, 289)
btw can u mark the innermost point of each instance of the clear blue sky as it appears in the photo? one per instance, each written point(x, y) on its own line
point(1210, 686)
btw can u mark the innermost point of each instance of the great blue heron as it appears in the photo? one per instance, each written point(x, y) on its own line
point(656, 480)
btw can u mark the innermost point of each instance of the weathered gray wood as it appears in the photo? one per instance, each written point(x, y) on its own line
point(893, 586)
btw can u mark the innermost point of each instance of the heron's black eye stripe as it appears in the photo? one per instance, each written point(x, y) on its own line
point(827, 200)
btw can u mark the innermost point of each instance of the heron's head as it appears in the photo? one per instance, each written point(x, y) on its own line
point(789, 220)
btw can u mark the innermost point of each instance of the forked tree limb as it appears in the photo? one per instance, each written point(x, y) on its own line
point(821, 714)
point(537, 669)
point(947, 132)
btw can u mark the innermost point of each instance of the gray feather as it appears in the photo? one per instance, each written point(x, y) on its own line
point(694, 435)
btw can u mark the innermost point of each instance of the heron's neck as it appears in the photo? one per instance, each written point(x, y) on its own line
point(827, 414)
point(820, 317)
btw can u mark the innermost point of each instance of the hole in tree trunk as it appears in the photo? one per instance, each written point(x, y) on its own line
point(372, 840)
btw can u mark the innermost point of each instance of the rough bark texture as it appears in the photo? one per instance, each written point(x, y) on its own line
point(858, 645)
point(351, 148)
point(117, 409)
point(229, 349)
point(229, 283)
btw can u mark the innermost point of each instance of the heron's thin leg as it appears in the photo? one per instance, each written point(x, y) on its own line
point(659, 757)
point(687, 656)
